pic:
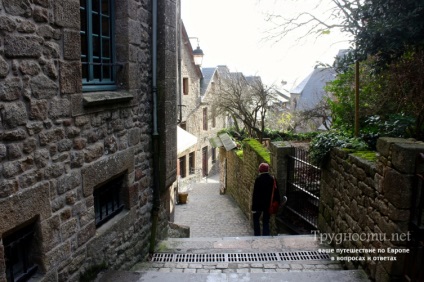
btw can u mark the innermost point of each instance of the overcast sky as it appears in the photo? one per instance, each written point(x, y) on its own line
point(231, 33)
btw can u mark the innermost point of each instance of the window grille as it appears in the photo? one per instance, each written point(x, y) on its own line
point(19, 254)
point(107, 200)
point(97, 45)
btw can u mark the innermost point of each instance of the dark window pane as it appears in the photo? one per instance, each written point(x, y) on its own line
point(106, 72)
point(84, 71)
point(106, 47)
point(96, 46)
point(95, 5)
point(83, 19)
point(83, 3)
point(105, 7)
point(96, 24)
point(96, 69)
point(83, 44)
point(105, 26)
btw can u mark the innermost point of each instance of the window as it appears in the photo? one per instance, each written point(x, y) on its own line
point(185, 86)
point(192, 163)
point(182, 164)
point(213, 155)
point(108, 200)
point(205, 118)
point(205, 161)
point(97, 45)
point(19, 254)
point(213, 117)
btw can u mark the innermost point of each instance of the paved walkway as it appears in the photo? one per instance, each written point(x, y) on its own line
point(210, 214)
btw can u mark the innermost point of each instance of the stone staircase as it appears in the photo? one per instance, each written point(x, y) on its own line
point(278, 258)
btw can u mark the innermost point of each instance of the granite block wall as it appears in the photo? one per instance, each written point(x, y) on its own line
point(370, 202)
point(58, 144)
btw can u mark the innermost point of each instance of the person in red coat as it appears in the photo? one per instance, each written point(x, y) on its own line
point(261, 200)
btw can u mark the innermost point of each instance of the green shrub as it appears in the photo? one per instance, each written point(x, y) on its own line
point(322, 144)
point(395, 125)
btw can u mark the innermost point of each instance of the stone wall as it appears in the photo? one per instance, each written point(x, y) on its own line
point(370, 199)
point(59, 144)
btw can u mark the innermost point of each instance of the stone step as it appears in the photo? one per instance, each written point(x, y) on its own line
point(298, 276)
point(275, 258)
point(238, 267)
point(241, 244)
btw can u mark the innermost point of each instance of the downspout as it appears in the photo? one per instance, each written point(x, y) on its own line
point(180, 99)
point(155, 135)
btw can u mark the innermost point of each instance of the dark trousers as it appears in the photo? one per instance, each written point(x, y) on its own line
point(257, 224)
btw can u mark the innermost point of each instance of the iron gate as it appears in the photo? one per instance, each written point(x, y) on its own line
point(413, 269)
point(303, 189)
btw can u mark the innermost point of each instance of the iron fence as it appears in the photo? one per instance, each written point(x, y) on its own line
point(303, 187)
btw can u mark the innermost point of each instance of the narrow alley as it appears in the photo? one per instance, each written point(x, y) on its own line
point(210, 214)
point(221, 248)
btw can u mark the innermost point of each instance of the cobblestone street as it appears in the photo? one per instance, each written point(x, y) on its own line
point(210, 214)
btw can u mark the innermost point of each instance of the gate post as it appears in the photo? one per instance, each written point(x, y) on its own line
point(279, 163)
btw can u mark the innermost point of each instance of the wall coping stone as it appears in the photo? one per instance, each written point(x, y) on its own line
point(384, 144)
point(100, 98)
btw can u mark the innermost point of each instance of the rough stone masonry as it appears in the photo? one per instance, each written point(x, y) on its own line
point(59, 144)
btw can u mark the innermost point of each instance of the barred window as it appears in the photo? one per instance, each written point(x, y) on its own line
point(97, 45)
point(20, 254)
point(108, 200)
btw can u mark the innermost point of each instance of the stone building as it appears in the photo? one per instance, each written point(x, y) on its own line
point(87, 133)
point(198, 121)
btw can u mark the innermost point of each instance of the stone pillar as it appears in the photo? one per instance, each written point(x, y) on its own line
point(279, 163)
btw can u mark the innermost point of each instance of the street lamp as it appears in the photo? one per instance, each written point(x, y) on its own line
point(197, 53)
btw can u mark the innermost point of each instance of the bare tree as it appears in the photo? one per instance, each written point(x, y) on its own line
point(317, 19)
point(320, 114)
point(245, 99)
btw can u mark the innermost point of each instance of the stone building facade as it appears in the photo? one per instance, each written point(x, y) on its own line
point(80, 170)
point(197, 116)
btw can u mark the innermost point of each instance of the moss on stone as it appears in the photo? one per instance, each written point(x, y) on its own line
point(259, 149)
point(239, 153)
point(370, 156)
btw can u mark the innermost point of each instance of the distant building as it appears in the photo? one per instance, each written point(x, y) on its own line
point(308, 95)
point(198, 119)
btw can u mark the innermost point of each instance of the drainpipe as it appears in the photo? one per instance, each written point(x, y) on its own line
point(155, 136)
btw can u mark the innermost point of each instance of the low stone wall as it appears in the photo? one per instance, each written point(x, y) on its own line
point(238, 174)
point(366, 205)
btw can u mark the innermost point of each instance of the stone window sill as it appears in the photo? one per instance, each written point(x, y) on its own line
point(92, 99)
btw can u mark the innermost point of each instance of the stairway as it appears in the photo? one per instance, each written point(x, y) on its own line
point(278, 258)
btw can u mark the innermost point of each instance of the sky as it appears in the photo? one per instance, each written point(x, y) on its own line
point(232, 32)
